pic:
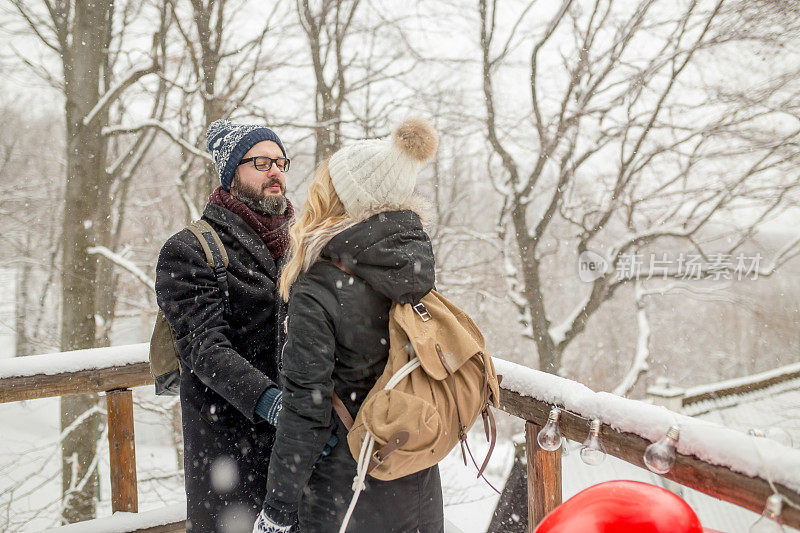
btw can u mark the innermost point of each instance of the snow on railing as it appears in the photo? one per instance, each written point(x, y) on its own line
point(79, 371)
point(712, 459)
point(712, 443)
point(742, 385)
point(168, 518)
point(74, 361)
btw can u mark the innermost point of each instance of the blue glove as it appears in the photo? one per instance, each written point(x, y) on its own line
point(333, 440)
point(265, 524)
point(269, 405)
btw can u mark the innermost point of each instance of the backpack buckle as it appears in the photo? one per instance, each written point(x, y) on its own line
point(422, 311)
point(376, 458)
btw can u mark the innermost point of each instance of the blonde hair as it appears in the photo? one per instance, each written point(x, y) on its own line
point(323, 217)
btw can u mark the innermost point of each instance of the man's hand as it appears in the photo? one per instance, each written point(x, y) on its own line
point(269, 405)
point(265, 524)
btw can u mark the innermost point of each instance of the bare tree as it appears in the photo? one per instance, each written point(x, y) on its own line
point(220, 72)
point(81, 33)
point(622, 157)
point(29, 214)
point(214, 76)
point(327, 29)
point(348, 42)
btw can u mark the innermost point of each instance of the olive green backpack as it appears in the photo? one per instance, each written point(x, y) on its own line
point(164, 359)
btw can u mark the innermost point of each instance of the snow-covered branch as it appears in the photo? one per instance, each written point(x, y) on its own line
point(789, 250)
point(126, 264)
point(514, 291)
point(639, 365)
point(113, 93)
point(117, 130)
point(180, 182)
point(646, 237)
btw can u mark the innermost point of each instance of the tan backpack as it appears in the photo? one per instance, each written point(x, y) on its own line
point(437, 381)
point(164, 359)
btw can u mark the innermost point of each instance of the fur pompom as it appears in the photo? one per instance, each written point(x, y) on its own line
point(415, 136)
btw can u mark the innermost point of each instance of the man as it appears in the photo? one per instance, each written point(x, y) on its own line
point(229, 345)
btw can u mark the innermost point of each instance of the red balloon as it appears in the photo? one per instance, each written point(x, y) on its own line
point(622, 507)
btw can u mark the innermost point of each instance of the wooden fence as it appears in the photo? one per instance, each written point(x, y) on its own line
point(544, 467)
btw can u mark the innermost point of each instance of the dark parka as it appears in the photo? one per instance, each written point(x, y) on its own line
point(338, 341)
point(227, 363)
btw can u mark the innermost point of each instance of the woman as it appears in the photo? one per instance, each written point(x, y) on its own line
point(358, 246)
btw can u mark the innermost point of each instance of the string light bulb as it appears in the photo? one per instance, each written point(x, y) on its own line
point(660, 456)
point(549, 438)
point(770, 520)
point(593, 452)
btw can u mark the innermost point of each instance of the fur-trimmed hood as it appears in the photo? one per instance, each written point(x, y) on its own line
point(388, 249)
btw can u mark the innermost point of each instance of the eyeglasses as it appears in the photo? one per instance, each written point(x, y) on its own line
point(264, 163)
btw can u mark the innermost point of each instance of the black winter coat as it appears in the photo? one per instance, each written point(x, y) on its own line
point(338, 341)
point(227, 363)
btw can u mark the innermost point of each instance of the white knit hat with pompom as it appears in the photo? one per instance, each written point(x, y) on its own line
point(372, 173)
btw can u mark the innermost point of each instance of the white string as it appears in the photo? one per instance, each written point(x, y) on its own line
point(358, 481)
point(368, 445)
point(405, 370)
point(763, 461)
point(764, 465)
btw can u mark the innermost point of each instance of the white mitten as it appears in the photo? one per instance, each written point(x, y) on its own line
point(264, 524)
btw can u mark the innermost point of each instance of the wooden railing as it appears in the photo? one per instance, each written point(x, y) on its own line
point(544, 468)
point(115, 379)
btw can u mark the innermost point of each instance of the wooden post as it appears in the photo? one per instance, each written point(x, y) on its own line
point(122, 451)
point(544, 477)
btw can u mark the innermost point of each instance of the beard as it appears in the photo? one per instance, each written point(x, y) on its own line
point(258, 200)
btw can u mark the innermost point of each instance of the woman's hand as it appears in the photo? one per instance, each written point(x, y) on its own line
point(266, 524)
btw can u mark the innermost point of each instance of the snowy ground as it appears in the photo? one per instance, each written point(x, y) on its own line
point(30, 482)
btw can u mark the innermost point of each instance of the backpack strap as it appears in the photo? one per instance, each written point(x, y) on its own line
point(201, 227)
point(395, 442)
point(488, 420)
point(341, 410)
point(338, 265)
point(216, 257)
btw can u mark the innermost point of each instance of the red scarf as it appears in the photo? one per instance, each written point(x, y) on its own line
point(273, 230)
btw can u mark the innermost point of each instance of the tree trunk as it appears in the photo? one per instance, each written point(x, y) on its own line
point(326, 136)
point(23, 275)
point(547, 350)
point(209, 38)
point(87, 183)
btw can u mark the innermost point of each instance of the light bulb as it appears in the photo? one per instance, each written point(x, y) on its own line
point(770, 521)
point(549, 438)
point(660, 456)
point(593, 452)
